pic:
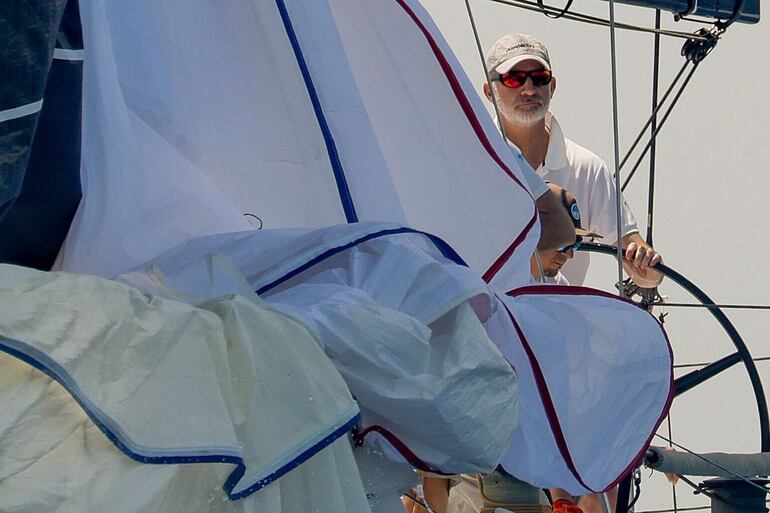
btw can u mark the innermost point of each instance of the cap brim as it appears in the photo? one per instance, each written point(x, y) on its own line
point(506, 66)
point(586, 233)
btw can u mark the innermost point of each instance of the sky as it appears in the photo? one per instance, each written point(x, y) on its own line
point(711, 194)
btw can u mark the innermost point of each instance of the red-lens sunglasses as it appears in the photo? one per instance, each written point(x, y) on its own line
point(516, 79)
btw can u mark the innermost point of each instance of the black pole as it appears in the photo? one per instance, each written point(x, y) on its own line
point(653, 129)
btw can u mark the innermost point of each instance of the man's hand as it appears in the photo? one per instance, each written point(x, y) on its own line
point(639, 256)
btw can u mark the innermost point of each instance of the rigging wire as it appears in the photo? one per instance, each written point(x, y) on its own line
point(653, 126)
point(680, 446)
point(713, 307)
point(484, 67)
point(653, 119)
point(694, 52)
point(616, 147)
point(695, 487)
point(660, 126)
point(673, 483)
point(691, 365)
point(594, 20)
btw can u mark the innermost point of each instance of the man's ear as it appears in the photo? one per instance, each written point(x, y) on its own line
point(487, 92)
point(553, 86)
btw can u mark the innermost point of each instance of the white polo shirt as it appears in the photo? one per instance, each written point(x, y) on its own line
point(581, 172)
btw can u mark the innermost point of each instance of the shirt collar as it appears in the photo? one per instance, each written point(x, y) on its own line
point(556, 154)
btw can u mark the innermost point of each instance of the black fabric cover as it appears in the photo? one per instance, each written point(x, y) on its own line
point(39, 153)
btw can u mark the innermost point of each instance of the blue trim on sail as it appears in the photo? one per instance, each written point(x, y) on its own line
point(115, 434)
point(331, 148)
point(299, 460)
point(440, 244)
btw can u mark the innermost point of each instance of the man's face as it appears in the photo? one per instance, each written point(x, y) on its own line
point(525, 105)
point(552, 261)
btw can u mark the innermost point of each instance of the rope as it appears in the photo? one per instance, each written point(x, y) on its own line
point(691, 6)
point(261, 224)
point(554, 16)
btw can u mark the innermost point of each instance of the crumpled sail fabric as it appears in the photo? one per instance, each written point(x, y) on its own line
point(391, 312)
point(166, 383)
point(595, 373)
point(303, 113)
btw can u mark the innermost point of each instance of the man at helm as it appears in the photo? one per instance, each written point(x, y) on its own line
point(522, 85)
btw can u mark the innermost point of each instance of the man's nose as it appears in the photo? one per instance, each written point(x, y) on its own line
point(528, 87)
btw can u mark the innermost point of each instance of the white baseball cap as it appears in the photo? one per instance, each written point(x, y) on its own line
point(511, 49)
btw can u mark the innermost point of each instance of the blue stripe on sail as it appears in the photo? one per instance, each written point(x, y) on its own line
point(441, 245)
point(115, 434)
point(331, 147)
point(297, 461)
